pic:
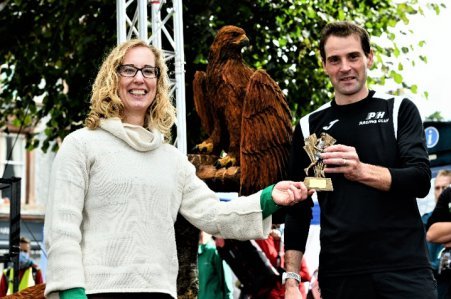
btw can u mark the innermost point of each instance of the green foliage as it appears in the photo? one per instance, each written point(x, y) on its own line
point(52, 49)
point(436, 116)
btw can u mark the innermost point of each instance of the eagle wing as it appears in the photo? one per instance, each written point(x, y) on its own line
point(202, 107)
point(266, 134)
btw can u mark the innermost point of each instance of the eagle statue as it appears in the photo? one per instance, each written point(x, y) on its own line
point(244, 112)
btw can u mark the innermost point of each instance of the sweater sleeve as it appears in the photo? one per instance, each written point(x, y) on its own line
point(63, 217)
point(239, 219)
point(412, 176)
point(298, 217)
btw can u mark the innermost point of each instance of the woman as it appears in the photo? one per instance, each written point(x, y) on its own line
point(117, 188)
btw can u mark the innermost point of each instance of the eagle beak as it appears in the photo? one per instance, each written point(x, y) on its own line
point(244, 41)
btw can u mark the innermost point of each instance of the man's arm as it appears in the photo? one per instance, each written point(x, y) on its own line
point(439, 224)
point(3, 285)
point(293, 259)
point(412, 175)
point(439, 232)
point(297, 220)
point(38, 279)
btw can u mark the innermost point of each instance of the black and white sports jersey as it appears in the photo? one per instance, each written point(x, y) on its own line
point(365, 230)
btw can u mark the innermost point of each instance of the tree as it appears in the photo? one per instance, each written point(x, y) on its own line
point(52, 50)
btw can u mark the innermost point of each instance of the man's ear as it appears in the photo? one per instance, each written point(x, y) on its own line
point(370, 59)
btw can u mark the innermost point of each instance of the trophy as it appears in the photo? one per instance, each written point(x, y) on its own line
point(314, 146)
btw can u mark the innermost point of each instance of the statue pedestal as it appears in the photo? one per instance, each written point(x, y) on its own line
point(219, 180)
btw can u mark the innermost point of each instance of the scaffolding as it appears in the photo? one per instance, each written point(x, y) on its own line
point(132, 22)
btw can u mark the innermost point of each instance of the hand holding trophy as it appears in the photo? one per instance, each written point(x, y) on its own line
point(314, 147)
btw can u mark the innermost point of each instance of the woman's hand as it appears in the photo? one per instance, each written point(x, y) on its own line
point(288, 193)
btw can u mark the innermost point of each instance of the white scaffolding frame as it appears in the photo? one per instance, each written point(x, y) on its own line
point(137, 27)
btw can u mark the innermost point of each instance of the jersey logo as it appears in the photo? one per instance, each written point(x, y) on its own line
point(325, 128)
point(375, 115)
point(374, 118)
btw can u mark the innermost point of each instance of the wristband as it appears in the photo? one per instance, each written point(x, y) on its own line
point(293, 275)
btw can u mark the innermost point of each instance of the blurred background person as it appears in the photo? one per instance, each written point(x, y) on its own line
point(215, 276)
point(439, 231)
point(29, 272)
point(442, 180)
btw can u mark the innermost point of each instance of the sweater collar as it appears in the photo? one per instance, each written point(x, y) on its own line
point(136, 137)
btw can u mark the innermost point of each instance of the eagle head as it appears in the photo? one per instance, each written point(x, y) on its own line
point(228, 42)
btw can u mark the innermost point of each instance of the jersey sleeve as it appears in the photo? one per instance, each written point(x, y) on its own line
point(412, 176)
point(298, 217)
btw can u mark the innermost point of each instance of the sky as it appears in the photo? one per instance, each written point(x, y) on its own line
point(433, 77)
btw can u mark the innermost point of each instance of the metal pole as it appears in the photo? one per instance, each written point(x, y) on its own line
point(142, 19)
point(156, 23)
point(14, 232)
point(121, 24)
point(180, 76)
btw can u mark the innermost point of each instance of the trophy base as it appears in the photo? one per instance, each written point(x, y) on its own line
point(319, 184)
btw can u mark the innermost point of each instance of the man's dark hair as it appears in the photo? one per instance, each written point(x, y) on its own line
point(344, 29)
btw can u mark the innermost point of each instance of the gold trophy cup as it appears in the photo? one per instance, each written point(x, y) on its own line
point(314, 146)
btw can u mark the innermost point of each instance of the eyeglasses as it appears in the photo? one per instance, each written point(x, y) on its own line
point(128, 70)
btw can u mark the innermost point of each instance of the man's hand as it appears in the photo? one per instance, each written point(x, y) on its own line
point(292, 289)
point(347, 161)
point(288, 193)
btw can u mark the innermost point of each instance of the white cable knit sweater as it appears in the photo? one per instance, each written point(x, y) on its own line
point(115, 195)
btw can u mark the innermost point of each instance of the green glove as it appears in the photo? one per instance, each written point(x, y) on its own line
point(75, 293)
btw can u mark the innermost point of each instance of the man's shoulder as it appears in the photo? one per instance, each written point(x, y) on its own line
point(383, 96)
point(320, 109)
point(397, 99)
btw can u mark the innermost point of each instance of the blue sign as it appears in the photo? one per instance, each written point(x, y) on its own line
point(432, 136)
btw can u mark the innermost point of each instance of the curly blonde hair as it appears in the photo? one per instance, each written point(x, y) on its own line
point(105, 100)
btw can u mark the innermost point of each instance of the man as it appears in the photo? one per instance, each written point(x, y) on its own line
point(439, 233)
point(372, 237)
point(29, 273)
point(442, 180)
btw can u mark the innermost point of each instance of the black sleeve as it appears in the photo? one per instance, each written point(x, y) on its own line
point(413, 176)
point(441, 212)
point(298, 217)
point(298, 157)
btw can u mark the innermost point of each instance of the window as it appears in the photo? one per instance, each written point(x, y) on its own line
point(13, 157)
